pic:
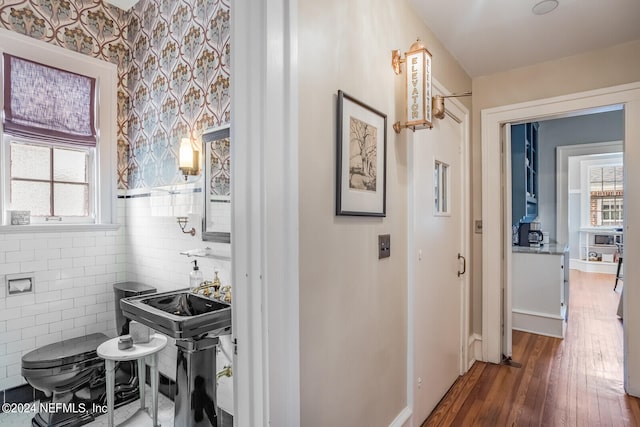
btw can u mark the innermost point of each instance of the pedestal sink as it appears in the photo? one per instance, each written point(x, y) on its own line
point(179, 314)
point(195, 322)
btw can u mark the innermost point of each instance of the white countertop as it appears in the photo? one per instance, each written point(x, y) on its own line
point(549, 249)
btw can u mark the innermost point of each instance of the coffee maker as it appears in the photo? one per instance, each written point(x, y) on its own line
point(529, 234)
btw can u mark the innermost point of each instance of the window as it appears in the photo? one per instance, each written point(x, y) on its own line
point(48, 123)
point(441, 187)
point(51, 182)
point(58, 134)
point(606, 195)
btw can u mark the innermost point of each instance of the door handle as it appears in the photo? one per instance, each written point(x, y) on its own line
point(464, 265)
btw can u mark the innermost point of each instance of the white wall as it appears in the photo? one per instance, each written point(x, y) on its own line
point(74, 277)
point(353, 307)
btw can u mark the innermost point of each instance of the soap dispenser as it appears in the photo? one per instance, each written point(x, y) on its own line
point(195, 277)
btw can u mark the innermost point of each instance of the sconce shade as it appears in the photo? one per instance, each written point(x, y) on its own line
point(186, 154)
point(418, 87)
point(418, 61)
point(188, 158)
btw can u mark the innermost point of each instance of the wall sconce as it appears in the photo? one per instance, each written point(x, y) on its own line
point(188, 158)
point(418, 85)
point(438, 103)
point(182, 222)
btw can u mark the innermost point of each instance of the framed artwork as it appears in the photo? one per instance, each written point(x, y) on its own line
point(361, 159)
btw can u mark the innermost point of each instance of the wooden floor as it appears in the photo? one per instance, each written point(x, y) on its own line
point(577, 381)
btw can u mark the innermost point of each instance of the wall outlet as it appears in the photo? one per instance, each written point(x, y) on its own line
point(384, 246)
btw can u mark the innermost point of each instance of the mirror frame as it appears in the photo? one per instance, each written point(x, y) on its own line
point(208, 136)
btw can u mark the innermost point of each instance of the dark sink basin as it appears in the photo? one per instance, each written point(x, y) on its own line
point(179, 314)
point(184, 304)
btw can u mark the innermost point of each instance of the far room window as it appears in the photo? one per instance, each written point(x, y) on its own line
point(606, 200)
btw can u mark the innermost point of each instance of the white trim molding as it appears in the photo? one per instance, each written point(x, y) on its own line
point(474, 351)
point(403, 418)
point(264, 130)
point(539, 323)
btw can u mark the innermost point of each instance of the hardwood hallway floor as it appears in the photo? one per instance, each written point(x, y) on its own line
point(577, 381)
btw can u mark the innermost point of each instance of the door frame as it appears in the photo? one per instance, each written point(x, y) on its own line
point(264, 224)
point(563, 154)
point(494, 228)
point(458, 112)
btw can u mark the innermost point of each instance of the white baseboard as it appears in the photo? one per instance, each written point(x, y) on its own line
point(474, 348)
point(593, 266)
point(631, 391)
point(402, 418)
point(538, 323)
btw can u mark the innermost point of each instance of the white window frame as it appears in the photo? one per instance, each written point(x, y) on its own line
point(106, 77)
point(612, 159)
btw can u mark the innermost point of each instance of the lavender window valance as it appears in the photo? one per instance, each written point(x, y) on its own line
point(42, 101)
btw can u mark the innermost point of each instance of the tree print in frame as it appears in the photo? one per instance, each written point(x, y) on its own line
point(361, 159)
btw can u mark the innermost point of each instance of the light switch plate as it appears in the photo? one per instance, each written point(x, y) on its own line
point(384, 246)
point(478, 226)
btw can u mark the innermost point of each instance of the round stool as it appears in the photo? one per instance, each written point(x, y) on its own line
point(111, 354)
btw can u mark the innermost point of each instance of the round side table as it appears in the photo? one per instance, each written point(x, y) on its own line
point(111, 354)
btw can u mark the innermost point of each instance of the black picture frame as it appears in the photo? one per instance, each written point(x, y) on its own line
point(361, 166)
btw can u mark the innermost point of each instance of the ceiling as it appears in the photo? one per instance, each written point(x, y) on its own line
point(489, 36)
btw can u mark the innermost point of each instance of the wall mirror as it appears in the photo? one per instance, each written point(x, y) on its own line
point(216, 221)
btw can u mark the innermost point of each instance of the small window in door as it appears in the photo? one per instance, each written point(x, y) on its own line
point(441, 188)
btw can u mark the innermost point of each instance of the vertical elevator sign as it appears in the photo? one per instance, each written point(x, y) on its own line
point(418, 88)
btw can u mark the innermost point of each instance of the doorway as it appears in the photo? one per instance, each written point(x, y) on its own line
point(588, 177)
point(495, 239)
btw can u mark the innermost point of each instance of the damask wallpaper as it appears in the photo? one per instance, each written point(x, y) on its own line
point(178, 81)
point(86, 26)
point(173, 59)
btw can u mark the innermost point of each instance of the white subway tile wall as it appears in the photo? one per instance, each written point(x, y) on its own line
point(154, 242)
point(75, 273)
point(73, 296)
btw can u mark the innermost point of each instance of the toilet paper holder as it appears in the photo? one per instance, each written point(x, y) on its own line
point(20, 283)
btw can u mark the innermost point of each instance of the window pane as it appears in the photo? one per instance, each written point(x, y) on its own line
point(445, 178)
point(595, 174)
point(71, 199)
point(69, 165)
point(619, 177)
point(30, 161)
point(31, 196)
point(436, 187)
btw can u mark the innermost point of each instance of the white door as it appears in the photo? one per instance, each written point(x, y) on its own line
point(436, 239)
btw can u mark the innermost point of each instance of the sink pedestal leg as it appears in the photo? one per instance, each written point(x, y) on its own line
point(195, 396)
